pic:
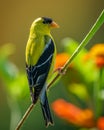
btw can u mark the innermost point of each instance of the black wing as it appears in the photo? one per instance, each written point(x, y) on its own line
point(38, 73)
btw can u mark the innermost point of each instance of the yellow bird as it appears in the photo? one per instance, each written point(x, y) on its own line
point(40, 59)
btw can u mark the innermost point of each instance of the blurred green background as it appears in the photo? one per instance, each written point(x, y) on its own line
point(75, 19)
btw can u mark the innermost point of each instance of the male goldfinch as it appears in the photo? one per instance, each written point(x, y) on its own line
point(40, 58)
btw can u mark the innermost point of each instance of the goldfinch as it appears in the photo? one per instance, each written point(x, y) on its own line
point(40, 59)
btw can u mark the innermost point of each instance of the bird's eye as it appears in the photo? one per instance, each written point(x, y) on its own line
point(47, 20)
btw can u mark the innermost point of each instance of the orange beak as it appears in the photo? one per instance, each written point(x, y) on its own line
point(54, 25)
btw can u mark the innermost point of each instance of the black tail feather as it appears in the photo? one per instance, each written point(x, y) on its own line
point(46, 112)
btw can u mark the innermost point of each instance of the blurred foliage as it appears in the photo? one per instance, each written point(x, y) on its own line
point(17, 94)
point(15, 81)
point(84, 83)
point(82, 86)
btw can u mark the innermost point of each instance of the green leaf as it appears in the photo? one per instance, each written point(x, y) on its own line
point(86, 69)
point(15, 81)
point(80, 90)
point(18, 88)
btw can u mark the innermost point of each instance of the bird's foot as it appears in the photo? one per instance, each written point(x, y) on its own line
point(60, 71)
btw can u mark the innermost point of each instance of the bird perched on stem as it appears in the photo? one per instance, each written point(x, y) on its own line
point(40, 58)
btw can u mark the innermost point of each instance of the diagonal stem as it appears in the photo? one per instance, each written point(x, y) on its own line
point(25, 116)
point(88, 37)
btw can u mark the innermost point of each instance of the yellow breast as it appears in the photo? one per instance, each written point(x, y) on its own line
point(34, 49)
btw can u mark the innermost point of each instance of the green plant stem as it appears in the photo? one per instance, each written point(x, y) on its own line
point(25, 116)
point(88, 37)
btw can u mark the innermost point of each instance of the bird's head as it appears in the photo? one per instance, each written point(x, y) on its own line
point(43, 25)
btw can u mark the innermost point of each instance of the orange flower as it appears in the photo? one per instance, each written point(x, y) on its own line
point(73, 114)
point(97, 52)
point(100, 123)
point(61, 59)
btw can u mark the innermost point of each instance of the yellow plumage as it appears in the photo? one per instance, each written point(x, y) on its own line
point(40, 58)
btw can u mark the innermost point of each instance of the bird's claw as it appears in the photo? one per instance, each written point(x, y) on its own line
point(60, 71)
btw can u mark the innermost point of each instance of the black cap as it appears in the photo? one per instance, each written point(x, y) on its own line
point(47, 20)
